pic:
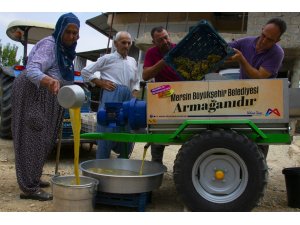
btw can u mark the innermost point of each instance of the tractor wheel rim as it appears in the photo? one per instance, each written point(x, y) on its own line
point(220, 175)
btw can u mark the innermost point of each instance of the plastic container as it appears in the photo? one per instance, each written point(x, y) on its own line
point(292, 181)
point(69, 197)
point(199, 45)
point(88, 122)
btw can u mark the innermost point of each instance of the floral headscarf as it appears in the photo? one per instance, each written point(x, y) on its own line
point(65, 54)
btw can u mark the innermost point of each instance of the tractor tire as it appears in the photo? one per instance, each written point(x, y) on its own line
point(264, 149)
point(95, 98)
point(5, 108)
point(220, 171)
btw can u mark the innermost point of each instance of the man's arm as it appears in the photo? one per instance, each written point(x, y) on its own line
point(152, 71)
point(88, 74)
point(104, 84)
point(135, 93)
point(252, 72)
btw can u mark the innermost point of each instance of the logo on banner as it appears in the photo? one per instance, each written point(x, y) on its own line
point(270, 111)
point(163, 91)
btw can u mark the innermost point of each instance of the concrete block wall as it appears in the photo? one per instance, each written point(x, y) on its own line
point(290, 39)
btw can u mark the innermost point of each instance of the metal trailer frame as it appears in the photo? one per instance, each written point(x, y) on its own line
point(179, 137)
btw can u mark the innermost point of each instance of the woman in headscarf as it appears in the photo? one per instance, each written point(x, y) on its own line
point(36, 114)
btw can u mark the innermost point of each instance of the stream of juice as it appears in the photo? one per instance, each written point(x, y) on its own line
point(75, 117)
point(142, 166)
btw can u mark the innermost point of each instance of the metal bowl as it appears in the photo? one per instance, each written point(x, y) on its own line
point(125, 184)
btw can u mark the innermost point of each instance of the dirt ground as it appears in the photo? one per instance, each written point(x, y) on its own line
point(164, 199)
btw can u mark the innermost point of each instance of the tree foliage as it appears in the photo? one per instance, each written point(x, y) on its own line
point(8, 54)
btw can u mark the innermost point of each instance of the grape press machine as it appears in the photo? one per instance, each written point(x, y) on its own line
point(221, 125)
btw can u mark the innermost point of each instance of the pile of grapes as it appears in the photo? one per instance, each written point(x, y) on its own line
point(195, 70)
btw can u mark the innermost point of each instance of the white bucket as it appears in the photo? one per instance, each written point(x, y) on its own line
point(69, 197)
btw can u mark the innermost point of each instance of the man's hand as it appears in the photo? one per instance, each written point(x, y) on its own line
point(152, 71)
point(135, 93)
point(252, 72)
point(104, 84)
point(237, 57)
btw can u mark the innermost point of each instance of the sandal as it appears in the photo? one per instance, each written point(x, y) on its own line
point(44, 184)
point(39, 195)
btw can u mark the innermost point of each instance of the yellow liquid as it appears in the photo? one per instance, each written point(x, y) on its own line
point(121, 172)
point(142, 166)
point(76, 126)
point(113, 172)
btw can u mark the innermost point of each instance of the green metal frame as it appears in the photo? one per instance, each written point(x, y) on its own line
point(178, 137)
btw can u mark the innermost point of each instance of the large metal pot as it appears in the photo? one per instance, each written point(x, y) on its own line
point(69, 197)
point(125, 184)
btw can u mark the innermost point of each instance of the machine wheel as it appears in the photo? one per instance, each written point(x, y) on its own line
point(5, 102)
point(220, 171)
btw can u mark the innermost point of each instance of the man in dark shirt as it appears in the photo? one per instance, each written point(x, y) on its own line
point(155, 67)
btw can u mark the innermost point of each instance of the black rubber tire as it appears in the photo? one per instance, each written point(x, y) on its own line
point(264, 149)
point(229, 141)
point(5, 101)
point(95, 98)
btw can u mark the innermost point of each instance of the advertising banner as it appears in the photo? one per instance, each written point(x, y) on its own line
point(235, 99)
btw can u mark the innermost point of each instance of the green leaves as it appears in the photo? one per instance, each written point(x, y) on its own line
point(8, 54)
